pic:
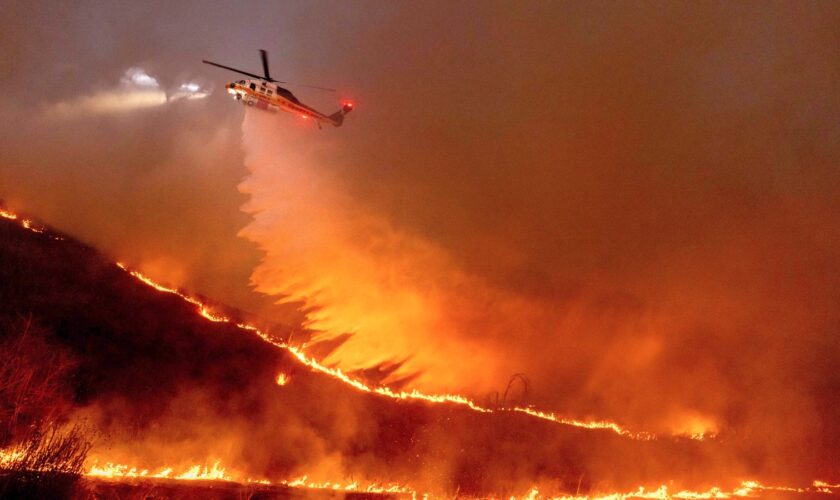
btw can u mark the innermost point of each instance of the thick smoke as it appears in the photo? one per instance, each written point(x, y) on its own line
point(633, 205)
point(635, 209)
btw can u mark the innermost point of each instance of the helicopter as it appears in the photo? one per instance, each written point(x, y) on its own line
point(263, 92)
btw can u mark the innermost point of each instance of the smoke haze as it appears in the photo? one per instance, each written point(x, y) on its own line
point(635, 205)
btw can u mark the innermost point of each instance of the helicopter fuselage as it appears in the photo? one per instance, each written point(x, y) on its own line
point(272, 97)
point(263, 92)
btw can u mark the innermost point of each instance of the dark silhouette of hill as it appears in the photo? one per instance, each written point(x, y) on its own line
point(160, 385)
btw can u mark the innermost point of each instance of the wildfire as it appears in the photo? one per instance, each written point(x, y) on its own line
point(217, 473)
point(9, 456)
point(110, 470)
point(204, 310)
point(596, 424)
point(205, 473)
point(354, 486)
point(824, 487)
point(745, 489)
point(194, 473)
point(25, 223)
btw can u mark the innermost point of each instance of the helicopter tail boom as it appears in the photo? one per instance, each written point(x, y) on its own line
point(337, 118)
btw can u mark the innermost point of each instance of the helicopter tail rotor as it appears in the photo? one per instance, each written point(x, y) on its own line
point(337, 118)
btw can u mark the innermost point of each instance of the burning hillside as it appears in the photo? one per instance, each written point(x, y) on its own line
point(171, 387)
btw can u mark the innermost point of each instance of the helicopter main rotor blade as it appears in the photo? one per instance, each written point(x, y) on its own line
point(264, 57)
point(237, 71)
point(310, 86)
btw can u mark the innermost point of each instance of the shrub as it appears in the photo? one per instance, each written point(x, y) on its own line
point(39, 457)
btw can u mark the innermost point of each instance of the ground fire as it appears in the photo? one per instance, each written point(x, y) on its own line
point(104, 463)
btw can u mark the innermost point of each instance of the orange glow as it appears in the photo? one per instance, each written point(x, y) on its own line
point(26, 223)
point(693, 426)
point(216, 472)
point(596, 424)
point(204, 473)
point(337, 373)
point(195, 472)
point(303, 482)
point(745, 489)
point(9, 456)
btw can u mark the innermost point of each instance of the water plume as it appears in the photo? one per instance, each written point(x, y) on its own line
point(352, 269)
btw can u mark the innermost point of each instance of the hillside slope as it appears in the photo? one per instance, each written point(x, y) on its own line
point(163, 387)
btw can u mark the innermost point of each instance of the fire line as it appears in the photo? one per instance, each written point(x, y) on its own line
point(336, 373)
point(218, 473)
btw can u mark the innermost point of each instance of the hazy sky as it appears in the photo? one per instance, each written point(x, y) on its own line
point(634, 204)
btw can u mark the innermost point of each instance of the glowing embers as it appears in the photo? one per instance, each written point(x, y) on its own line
point(282, 379)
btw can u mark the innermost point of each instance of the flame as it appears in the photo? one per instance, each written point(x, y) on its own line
point(824, 487)
point(303, 482)
point(217, 473)
point(336, 373)
point(745, 489)
point(27, 224)
point(9, 456)
point(205, 473)
point(595, 424)
point(196, 472)
point(697, 430)
point(110, 470)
